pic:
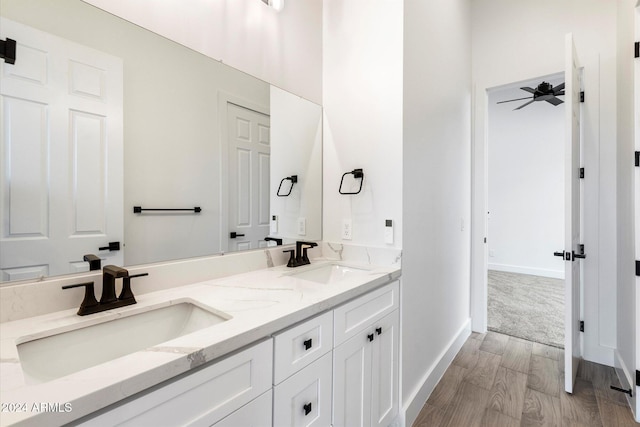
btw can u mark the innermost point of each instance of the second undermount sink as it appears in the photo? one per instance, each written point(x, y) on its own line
point(60, 354)
point(329, 273)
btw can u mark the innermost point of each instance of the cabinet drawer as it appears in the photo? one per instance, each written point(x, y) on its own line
point(299, 346)
point(200, 398)
point(256, 413)
point(305, 398)
point(355, 316)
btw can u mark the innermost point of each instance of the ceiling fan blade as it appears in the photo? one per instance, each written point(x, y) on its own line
point(510, 100)
point(528, 89)
point(558, 88)
point(559, 93)
point(554, 101)
point(523, 105)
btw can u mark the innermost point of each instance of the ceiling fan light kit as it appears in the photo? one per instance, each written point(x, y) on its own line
point(544, 92)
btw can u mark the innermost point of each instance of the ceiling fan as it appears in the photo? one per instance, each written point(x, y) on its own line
point(544, 92)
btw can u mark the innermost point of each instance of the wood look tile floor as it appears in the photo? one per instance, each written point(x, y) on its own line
point(496, 380)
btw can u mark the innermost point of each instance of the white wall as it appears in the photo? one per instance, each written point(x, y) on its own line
point(627, 309)
point(526, 183)
point(362, 127)
point(502, 53)
point(436, 193)
point(283, 48)
point(296, 149)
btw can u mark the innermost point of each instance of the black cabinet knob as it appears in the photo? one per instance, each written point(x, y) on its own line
point(379, 331)
point(370, 337)
point(308, 344)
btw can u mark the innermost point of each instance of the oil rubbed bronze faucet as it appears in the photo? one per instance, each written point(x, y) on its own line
point(108, 299)
point(299, 255)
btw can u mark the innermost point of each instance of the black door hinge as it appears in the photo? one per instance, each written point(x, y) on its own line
point(637, 378)
point(637, 268)
point(637, 158)
point(581, 172)
point(582, 96)
point(637, 50)
point(8, 50)
point(582, 326)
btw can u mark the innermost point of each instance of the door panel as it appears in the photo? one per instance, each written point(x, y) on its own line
point(384, 387)
point(249, 162)
point(62, 189)
point(352, 383)
point(572, 213)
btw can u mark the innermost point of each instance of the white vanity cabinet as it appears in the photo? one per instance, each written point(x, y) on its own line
point(302, 374)
point(203, 397)
point(338, 368)
point(365, 359)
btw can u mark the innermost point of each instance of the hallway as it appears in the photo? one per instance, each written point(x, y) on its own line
point(497, 380)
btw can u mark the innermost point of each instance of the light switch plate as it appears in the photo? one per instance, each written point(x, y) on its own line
point(274, 224)
point(302, 226)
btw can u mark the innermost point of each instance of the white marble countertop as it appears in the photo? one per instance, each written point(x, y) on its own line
point(259, 303)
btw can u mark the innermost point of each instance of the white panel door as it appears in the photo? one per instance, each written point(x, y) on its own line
point(572, 214)
point(249, 151)
point(61, 155)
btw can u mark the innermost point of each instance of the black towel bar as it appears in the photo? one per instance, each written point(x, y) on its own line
point(140, 209)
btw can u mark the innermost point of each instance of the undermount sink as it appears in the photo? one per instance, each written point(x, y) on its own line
point(328, 274)
point(55, 356)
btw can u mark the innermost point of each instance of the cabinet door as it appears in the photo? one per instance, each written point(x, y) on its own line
point(256, 413)
point(384, 374)
point(304, 399)
point(352, 382)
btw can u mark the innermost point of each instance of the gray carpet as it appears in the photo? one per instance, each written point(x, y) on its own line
point(529, 307)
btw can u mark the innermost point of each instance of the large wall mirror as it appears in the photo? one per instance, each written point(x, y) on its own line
point(104, 121)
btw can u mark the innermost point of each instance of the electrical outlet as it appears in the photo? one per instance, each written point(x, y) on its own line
point(346, 229)
point(491, 254)
point(302, 226)
point(274, 224)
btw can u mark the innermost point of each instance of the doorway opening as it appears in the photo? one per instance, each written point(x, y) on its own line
point(525, 201)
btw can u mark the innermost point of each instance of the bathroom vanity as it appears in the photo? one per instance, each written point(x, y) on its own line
point(313, 345)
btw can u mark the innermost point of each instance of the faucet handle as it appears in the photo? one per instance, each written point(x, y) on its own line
point(126, 293)
point(292, 258)
point(89, 300)
point(115, 271)
point(94, 261)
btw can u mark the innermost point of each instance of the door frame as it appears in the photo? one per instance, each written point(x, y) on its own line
point(480, 200)
point(225, 98)
point(479, 203)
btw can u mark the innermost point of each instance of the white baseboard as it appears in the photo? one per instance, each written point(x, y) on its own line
point(418, 398)
point(626, 378)
point(543, 272)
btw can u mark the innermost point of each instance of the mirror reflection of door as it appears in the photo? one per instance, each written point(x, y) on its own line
point(249, 151)
point(61, 145)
